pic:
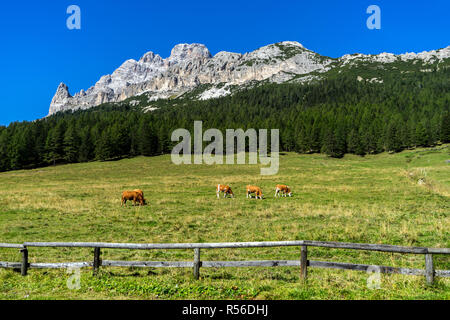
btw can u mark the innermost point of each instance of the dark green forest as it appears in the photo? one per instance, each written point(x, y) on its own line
point(332, 116)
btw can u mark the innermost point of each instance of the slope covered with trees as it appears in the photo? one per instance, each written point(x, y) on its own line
point(335, 116)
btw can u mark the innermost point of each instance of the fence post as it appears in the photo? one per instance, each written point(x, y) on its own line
point(24, 266)
point(197, 263)
point(429, 268)
point(304, 263)
point(97, 261)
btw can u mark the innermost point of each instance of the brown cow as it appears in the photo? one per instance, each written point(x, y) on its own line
point(132, 196)
point(225, 189)
point(285, 190)
point(255, 190)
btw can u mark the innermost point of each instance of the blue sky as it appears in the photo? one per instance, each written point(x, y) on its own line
point(39, 51)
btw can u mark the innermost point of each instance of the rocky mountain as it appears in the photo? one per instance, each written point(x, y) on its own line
point(191, 65)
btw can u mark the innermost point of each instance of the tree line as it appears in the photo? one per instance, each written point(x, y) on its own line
point(333, 116)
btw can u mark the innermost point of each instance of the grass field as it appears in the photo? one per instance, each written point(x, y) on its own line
point(375, 199)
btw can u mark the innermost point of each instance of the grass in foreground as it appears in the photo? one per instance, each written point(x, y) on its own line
point(375, 199)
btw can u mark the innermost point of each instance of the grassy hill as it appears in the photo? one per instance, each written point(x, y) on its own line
point(374, 199)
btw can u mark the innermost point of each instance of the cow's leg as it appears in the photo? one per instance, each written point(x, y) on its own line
point(218, 196)
point(276, 192)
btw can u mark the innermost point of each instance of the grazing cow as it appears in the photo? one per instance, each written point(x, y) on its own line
point(132, 196)
point(225, 189)
point(285, 190)
point(256, 190)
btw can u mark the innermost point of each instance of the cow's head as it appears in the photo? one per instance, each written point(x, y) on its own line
point(141, 200)
point(289, 192)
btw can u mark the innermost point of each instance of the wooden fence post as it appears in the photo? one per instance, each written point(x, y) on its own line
point(97, 261)
point(24, 266)
point(429, 268)
point(197, 263)
point(304, 263)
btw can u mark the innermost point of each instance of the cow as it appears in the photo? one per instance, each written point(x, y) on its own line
point(282, 189)
point(256, 190)
point(225, 189)
point(132, 196)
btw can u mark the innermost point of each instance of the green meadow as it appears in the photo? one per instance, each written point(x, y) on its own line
point(399, 199)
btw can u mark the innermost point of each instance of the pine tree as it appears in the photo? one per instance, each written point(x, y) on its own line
point(445, 128)
point(304, 144)
point(86, 151)
point(5, 161)
point(22, 149)
point(421, 135)
point(393, 136)
point(355, 144)
point(71, 144)
point(332, 144)
point(120, 139)
point(105, 149)
point(54, 144)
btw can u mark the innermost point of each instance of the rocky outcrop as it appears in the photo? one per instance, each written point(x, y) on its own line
point(61, 99)
point(190, 65)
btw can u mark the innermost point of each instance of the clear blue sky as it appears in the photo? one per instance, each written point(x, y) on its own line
point(38, 51)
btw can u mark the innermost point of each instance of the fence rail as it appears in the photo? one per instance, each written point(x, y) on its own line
point(429, 272)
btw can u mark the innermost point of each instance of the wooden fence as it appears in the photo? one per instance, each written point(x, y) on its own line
point(429, 272)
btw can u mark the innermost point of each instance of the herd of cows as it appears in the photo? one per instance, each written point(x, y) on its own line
point(280, 190)
point(137, 195)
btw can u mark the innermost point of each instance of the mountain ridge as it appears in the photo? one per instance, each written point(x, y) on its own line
point(192, 65)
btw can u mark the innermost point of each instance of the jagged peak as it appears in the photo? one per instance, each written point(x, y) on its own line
point(291, 43)
point(62, 91)
point(63, 86)
point(184, 51)
point(151, 57)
